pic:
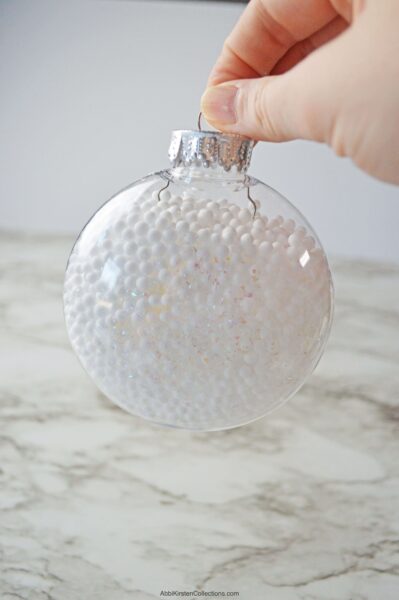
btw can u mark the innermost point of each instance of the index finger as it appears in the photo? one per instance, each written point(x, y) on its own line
point(264, 33)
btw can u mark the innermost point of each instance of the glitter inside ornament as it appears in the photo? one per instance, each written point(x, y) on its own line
point(199, 297)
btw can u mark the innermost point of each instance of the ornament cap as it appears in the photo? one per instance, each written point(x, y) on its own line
point(210, 149)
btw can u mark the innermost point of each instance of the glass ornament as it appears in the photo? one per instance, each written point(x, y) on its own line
point(199, 297)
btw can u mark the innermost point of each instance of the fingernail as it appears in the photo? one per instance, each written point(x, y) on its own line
point(218, 104)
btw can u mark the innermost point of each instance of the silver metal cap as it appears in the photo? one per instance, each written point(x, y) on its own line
point(210, 149)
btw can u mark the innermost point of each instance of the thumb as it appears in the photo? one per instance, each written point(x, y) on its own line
point(301, 103)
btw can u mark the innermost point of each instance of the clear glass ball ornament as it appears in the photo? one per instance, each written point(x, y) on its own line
point(199, 297)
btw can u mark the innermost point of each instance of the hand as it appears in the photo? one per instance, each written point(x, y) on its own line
point(323, 70)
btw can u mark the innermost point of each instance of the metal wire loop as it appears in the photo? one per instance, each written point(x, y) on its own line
point(252, 201)
point(162, 189)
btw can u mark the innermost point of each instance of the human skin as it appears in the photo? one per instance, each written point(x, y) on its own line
point(323, 70)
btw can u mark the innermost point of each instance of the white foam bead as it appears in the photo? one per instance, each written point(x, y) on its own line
point(186, 206)
point(161, 223)
point(215, 239)
point(282, 239)
point(241, 229)
point(234, 223)
point(182, 227)
point(270, 236)
point(119, 225)
point(154, 235)
point(258, 235)
point(164, 315)
point(128, 248)
point(166, 299)
point(75, 280)
point(118, 246)
point(293, 252)
point(106, 244)
point(189, 238)
point(165, 195)
point(140, 228)
point(246, 241)
point(151, 216)
point(228, 234)
point(143, 284)
point(128, 234)
point(132, 217)
point(143, 253)
point(205, 217)
point(301, 232)
point(265, 249)
point(181, 295)
point(164, 275)
point(244, 215)
point(120, 315)
point(191, 216)
point(225, 217)
point(262, 220)
point(169, 235)
point(158, 250)
point(165, 214)
point(174, 212)
point(97, 261)
point(91, 277)
point(317, 253)
point(195, 226)
point(212, 205)
point(233, 208)
point(146, 267)
point(119, 261)
point(309, 242)
point(144, 204)
point(289, 226)
point(274, 223)
point(100, 310)
point(141, 305)
point(162, 262)
point(295, 238)
point(204, 235)
point(278, 247)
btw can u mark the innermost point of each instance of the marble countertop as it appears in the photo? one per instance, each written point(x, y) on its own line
point(97, 504)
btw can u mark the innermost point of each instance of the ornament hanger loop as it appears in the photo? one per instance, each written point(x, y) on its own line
point(251, 200)
point(162, 189)
point(199, 121)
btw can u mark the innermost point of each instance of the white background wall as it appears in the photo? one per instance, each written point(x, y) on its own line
point(90, 91)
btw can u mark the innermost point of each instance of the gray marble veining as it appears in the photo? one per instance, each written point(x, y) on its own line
point(97, 504)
